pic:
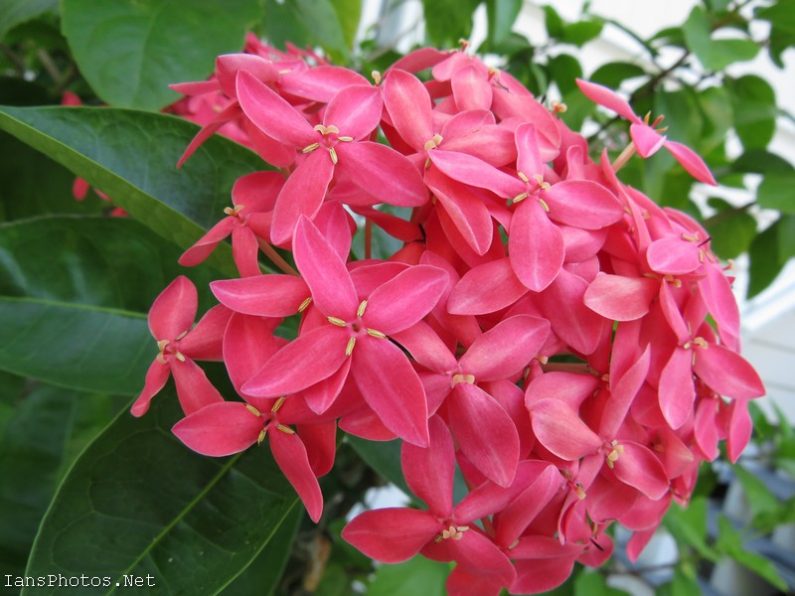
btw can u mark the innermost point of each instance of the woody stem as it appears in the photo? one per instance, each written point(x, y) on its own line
point(624, 157)
point(276, 258)
point(368, 239)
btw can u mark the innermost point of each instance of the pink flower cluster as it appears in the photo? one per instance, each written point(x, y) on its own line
point(567, 344)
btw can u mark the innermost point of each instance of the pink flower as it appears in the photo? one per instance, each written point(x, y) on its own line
point(647, 140)
point(179, 343)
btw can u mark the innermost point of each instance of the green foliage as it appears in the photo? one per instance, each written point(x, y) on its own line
point(131, 50)
point(417, 576)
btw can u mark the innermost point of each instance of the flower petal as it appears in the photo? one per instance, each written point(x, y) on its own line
point(621, 298)
point(676, 391)
point(219, 429)
point(429, 470)
point(324, 272)
point(505, 349)
point(535, 246)
point(194, 389)
point(405, 299)
point(391, 387)
point(409, 107)
point(727, 373)
point(639, 468)
point(485, 432)
point(486, 288)
point(471, 89)
point(308, 359)
point(355, 110)
point(647, 140)
point(391, 535)
point(273, 295)
point(156, 378)
point(607, 98)
point(583, 204)
point(674, 256)
point(290, 454)
point(561, 430)
point(691, 162)
point(173, 311)
point(476, 172)
point(205, 245)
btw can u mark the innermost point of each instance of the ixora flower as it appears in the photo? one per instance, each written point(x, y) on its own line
point(544, 331)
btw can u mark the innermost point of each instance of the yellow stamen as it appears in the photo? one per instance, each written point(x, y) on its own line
point(544, 205)
point(181, 335)
point(519, 198)
point(161, 344)
point(433, 142)
point(285, 429)
point(462, 378)
point(349, 347)
point(278, 405)
point(377, 334)
point(337, 322)
point(523, 177)
point(361, 309)
point(333, 153)
point(180, 356)
point(310, 148)
point(261, 436)
point(345, 139)
point(579, 491)
point(558, 107)
point(701, 343)
point(614, 454)
point(253, 410)
point(305, 304)
point(376, 77)
point(233, 210)
point(540, 181)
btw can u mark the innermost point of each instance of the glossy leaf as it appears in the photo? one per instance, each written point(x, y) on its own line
point(754, 104)
point(194, 523)
point(417, 576)
point(715, 54)
point(131, 50)
point(14, 12)
point(131, 156)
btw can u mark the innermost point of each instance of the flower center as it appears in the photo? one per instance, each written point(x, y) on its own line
point(452, 532)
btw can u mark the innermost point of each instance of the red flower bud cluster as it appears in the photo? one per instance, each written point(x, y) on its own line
point(567, 344)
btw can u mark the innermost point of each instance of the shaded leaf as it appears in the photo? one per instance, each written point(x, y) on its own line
point(754, 103)
point(417, 576)
point(765, 261)
point(14, 12)
point(613, 74)
point(501, 15)
point(131, 50)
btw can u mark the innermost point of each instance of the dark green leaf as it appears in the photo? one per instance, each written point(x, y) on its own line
point(19, 92)
point(139, 502)
point(689, 526)
point(335, 582)
point(31, 184)
point(383, 457)
point(131, 50)
point(593, 583)
point(754, 103)
point(786, 238)
point(582, 32)
point(732, 232)
point(42, 436)
point(131, 155)
point(781, 15)
point(348, 13)
point(81, 347)
point(730, 543)
point(716, 106)
point(765, 261)
point(563, 70)
point(681, 585)
point(263, 574)
point(111, 262)
point(553, 22)
point(714, 54)
point(613, 74)
point(760, 161)
point(718, 5)
point(417, 576)
point(447, 21)
point(501, 15)
point(14, 12)
point(776, 192)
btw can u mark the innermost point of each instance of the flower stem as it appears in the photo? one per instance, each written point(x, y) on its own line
point(276, 258)
point(624, 157)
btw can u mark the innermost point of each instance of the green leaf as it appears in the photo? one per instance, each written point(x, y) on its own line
point(349, 13)
point(335, 582)
point(14, 12)
point(262, 576)
point(139, 502)
point(760, 161)
point(38, 339)
point(131, 155)
point(131, 50)
point(613, 74)
point(581, 32)
point(110, 262)
point(689, 526)
point(765, 260)
point(776, 192)
point(716, 106)
point(730, 543)
point(593, 583)
point(307, 23)
point(554, 24)
point(417, 576)
point(780, 14)
point(758, 496)
point(754, 103)
point(447, 21)
point(501, 16)
point(31, 184)
point(383, 457)
point(45, 431)
point(731, 231)
point(563, 70)
point(714, 54)
point(786, 238)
